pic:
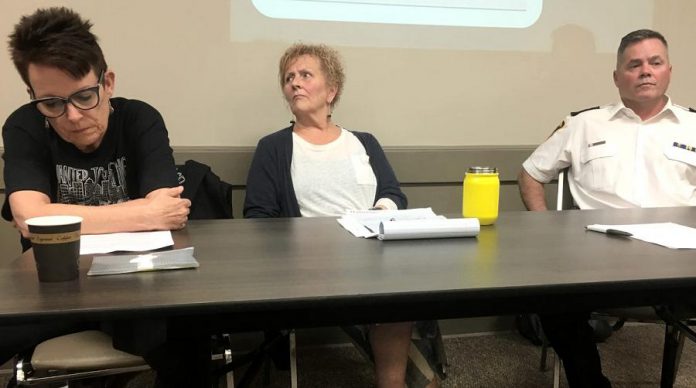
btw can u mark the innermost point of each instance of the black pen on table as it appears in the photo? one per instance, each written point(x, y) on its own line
point(614, 232)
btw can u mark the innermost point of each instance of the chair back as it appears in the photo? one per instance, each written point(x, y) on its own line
point(210, 196)
point(75, 356)
point(564, 199)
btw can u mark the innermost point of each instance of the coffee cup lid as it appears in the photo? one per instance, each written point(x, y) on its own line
point(53, 220)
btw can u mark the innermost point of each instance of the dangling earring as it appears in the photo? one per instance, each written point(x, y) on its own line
point(111, 108)
point(46, 124)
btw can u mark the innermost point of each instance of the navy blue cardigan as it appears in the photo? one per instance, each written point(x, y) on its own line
point(269, 189)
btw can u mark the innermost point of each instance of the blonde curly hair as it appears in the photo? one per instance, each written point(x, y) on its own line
point(329, 61)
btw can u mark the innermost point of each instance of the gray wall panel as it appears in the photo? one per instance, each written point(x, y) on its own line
point(9, 238)
point(431, 176)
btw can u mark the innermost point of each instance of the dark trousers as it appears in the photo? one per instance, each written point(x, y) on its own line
point(571, 336)
point(183, 359)
point(177, 349)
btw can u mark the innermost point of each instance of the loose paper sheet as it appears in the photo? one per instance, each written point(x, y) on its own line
point(667, 234)
point(366, 223)
point(132, 242)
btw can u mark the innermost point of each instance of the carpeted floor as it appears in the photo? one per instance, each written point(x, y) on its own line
point(631, 359)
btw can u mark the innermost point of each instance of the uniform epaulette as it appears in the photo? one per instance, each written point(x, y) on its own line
point(692, 110)
point(563, 123)
point(584, 110)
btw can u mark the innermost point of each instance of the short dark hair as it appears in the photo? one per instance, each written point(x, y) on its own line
point(56, 37)
point(635, 37)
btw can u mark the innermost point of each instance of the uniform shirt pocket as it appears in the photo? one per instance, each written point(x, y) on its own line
point(603, 150)
point(680, 171)
point(363, 170)
point(599, 168)
point(680, 155)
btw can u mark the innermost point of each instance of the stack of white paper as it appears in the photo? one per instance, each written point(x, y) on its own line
point(151, 261)
point(366, 223)
point(127, 241)
point(407, 224)
point(435, 228)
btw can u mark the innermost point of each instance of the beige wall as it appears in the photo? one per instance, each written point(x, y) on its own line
point(178, 55)
point(9, 238)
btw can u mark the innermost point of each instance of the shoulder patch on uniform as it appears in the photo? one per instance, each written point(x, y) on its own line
point(584, 110)
point(561, 125)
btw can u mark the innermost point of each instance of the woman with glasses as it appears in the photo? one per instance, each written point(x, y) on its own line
point(74, 149)
point(316, 168)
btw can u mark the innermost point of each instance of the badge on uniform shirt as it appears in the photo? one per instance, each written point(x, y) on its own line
point(684, 146)
point(597, 143)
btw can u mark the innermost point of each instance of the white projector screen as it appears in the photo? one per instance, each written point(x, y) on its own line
point(461, 13)
point(490, 25)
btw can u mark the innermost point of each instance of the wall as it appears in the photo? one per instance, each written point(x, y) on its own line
point(215, 90)
point(9, 239)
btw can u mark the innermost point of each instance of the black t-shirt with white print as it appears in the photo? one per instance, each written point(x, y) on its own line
point(133, 159)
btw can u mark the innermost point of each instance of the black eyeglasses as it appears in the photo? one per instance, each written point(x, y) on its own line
point(84, 99)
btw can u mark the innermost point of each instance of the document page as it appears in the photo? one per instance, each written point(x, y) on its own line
point(132, 242)
point(667, 234)
point(366, 223)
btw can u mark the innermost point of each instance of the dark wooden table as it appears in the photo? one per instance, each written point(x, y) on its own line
point(272, 273)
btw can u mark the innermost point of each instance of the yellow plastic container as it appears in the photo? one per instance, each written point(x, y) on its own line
point(481, 194)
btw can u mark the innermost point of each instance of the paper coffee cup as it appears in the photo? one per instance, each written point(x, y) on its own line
point(56, 244)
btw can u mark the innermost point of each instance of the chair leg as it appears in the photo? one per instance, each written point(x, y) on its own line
point(677, 358)
point(556, 363)
point(544, 356)
point(293, 360)
point(669, 356)
point(228, 381)
point(221, 356)
point(556, 371)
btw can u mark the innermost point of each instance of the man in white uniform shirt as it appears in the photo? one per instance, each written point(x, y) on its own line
point(639, 152)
